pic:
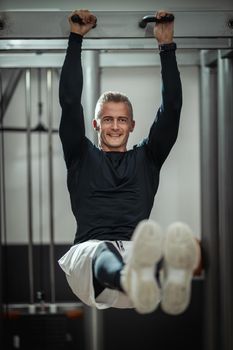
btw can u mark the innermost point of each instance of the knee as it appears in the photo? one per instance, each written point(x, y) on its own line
point(102, 247)
point(106, 260)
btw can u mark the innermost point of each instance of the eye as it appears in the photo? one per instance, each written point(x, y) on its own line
point(107, 119)
point(123, 120)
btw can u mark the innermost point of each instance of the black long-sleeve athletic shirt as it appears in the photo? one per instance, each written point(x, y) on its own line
point(111, 192)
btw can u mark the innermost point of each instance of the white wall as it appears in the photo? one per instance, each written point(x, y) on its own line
point(178, 197)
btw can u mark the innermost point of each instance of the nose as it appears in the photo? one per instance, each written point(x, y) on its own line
point(115, 124)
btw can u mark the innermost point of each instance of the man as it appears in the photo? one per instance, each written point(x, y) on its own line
point(117, 249)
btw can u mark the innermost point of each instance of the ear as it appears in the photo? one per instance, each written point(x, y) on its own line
point(132, 125)
point(95, 124)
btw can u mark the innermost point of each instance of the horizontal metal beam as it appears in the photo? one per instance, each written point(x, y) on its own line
point(41, 45)
point(36, 307)
point(117, 24)
point(146, 59)
point(107, 59)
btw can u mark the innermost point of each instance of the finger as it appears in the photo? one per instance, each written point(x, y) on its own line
point(162, 13)
point(82, 13)
point(86, 16)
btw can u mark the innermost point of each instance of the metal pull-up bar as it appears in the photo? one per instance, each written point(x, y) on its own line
point(142, 23)
point(115, 30)
point(114, 24)
point(153, 19)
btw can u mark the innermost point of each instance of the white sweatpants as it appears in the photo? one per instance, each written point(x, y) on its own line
point(77, 265)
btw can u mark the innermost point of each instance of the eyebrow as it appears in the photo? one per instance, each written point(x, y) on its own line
point(119, 116)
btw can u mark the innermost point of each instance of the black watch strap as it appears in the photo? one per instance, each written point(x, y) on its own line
point(167, 47)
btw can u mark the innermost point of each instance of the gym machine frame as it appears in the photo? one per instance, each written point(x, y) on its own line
point(193, 29)
point(116, 31)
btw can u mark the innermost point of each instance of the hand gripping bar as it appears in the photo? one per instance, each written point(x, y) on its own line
point(148, 19)
point(78, 19)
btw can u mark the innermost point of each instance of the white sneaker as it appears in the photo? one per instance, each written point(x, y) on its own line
point(181, 256)
point(138, 276)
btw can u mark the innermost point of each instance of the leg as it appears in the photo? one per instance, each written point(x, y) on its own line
point(181, 258)
point(107, 265)
point(138, 276)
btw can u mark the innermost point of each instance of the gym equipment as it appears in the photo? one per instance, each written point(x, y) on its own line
point(190, 29)
point(153, 19)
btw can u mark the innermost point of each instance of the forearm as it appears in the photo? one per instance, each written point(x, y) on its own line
point(164, 130)
point(71, 81)
point(72, 131)
point(171, 83)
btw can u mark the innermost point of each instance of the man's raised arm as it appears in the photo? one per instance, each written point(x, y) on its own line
point(72, 129)
point(164, 130)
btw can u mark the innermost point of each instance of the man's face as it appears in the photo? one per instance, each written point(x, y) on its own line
point(113, 126)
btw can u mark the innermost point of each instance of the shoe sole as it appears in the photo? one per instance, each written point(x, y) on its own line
point(180, 258)
point(146, 252)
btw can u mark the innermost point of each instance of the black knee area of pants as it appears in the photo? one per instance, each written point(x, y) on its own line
point(158, 269)
point(107, 265)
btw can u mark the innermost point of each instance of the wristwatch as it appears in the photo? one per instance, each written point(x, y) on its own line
point(167, 47)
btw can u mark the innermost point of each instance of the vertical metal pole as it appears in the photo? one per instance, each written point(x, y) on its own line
point(1, 241)
point(209, 203)
point(1, 298)
point(2, 212)
point(4, 279)
point(29, 184)
point(93, 328)
point(91, 91)
point(50, 175)
point(225, 148)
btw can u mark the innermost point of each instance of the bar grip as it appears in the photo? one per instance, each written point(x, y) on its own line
point(78, 19)
point(149, 19)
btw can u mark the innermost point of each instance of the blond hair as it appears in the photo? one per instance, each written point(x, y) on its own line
point(112, 96)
